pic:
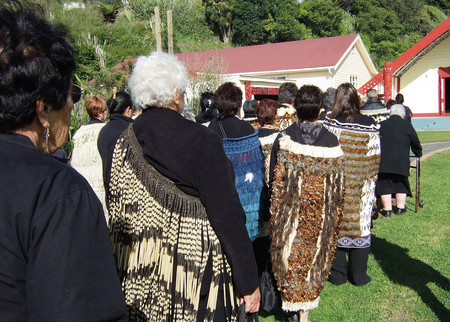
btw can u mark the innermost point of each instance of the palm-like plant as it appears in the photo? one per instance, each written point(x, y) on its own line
point(110, 11)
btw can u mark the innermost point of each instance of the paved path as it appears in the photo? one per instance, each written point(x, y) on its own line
point(428, 149)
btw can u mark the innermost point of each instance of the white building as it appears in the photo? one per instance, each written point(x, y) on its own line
point(259, 70)
point(421, 74)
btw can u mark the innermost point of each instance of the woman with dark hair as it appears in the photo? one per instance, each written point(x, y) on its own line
point(306, 165)
point(266, 113)
point(243, 148)
point(208, 109)
point(56, 260)
point(360, 141)
point(121, 110)
point(85, 156)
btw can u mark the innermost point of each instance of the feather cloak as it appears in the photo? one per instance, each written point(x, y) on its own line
point(307, 195)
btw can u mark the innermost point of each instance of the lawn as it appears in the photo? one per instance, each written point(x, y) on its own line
point(409, 262)
point(433, 136)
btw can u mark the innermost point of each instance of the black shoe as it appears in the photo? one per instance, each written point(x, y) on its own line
point(386, 213)
point(400, 211)
point(292, 316)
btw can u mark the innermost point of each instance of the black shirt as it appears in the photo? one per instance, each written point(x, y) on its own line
point(107, 141)
point(233, 127)
point(56, 261)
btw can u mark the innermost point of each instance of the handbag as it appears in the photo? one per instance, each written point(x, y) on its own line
point(270, 296)
point(246, 317)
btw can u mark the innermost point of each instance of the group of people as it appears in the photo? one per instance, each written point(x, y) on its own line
point(171, 231)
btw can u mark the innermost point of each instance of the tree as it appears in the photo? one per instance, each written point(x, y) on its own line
point(110, 11)
point(282, 25)
point(219, 15)
point(322, 17)
point(248, 28)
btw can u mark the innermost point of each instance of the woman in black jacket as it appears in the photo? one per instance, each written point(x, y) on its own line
point(397, 138)
point(121, 110)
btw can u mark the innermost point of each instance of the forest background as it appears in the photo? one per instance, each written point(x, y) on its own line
point(108, 32)
point(105, 33)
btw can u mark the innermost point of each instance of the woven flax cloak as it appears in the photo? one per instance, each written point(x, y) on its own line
point(307, 195)
point(247, 159)
point(162, 239)
point(361, 146)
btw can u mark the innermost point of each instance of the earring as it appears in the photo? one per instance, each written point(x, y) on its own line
point(47, 134)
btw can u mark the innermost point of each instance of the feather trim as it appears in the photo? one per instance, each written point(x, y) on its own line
point(297, 306)
point(288, 144)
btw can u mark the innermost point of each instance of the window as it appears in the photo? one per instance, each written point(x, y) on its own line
point(354, 81)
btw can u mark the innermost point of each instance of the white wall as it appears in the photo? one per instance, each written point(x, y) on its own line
point(420, 84)
point(352, 64)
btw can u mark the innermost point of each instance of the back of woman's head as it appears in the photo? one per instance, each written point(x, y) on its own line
point(308, 102)
point(266, 111)
point(36, 63)
point(228, 100)
point(95, 105)
point(120, 103)
point(155, 78)
point(346, 102)
point(206, 101)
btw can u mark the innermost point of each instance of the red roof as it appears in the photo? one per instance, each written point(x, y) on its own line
point(291, 55)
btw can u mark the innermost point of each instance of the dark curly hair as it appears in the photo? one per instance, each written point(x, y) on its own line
point(286, 92)
point(308, 102)
point(228, 100)
point(266, 111)
point(36, 63)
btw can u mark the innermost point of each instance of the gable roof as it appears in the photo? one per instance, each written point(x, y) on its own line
point(284, 56)
point(412, 55)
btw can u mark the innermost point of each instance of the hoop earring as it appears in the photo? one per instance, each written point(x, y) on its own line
point(47, 135)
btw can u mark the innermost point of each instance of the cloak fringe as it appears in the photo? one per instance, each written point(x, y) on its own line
point(161, 239)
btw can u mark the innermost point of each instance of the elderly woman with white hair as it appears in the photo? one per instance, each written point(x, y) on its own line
point(397, 138)
point(176, 222)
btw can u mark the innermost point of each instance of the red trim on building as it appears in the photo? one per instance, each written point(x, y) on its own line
point(443, 72)
point(409, 54)
point(426, 114)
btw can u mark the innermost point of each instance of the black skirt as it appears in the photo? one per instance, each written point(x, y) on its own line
point(390, 183)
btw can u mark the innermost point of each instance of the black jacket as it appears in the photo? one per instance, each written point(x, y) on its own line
point(56, 261)
point(107, 141)
point(192, 156)
point(372, 104)
point(397, 136)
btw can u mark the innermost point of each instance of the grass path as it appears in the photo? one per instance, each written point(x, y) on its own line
point(409, 262)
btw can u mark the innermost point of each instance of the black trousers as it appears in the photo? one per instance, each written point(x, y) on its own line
point(353, 271)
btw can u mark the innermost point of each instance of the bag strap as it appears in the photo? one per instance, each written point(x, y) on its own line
point(222, 129)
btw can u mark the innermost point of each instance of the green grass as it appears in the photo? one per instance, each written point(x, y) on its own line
point(409, 262)
point(433, 136)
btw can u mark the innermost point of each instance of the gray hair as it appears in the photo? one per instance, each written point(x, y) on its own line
point(398, 109)
point(372, 93)
point(155, 78)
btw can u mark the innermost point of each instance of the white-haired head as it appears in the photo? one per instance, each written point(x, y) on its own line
point(398, 109)
point(155, 78)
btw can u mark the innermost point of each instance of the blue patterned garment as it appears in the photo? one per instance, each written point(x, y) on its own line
point(247, 159)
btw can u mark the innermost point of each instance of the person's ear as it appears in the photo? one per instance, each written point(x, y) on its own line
point(129, 111)
point(42, 113)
